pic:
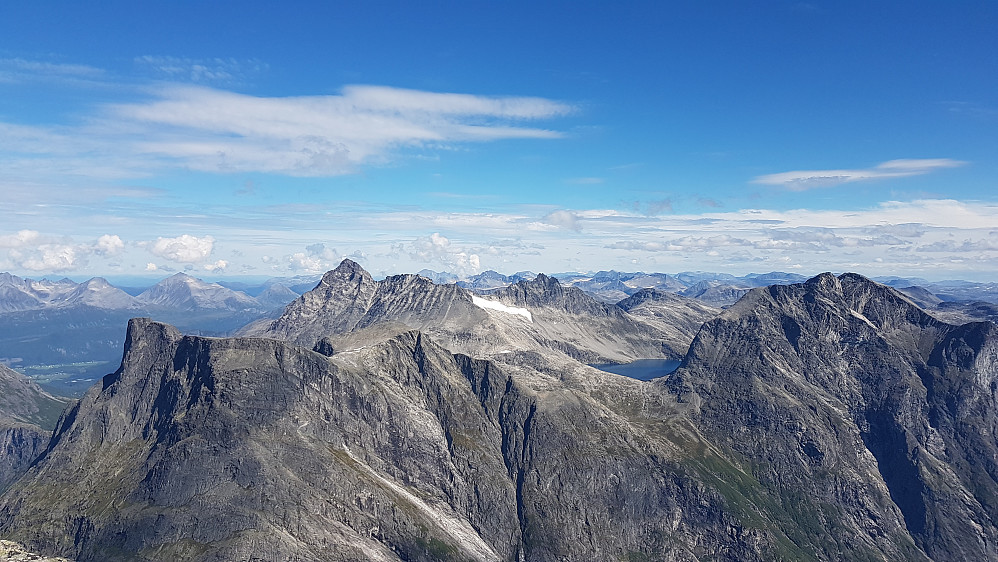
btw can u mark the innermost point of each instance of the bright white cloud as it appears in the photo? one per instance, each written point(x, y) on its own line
point(31, 250)
point(801, 180)
point(437, 249)
point(19, 239)
point(109, 245)
point(216, 267)
point(183, 249)
point(219, 131)
point(317, 258)
point(50, 257)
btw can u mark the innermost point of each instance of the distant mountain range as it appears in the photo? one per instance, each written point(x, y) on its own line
point(69, 334)
point(180, 292)
point(350, 309)
point(401, 419)
point(66, 334)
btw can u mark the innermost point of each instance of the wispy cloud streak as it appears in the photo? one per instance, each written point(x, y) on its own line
point(802, 180)
point(218, 131)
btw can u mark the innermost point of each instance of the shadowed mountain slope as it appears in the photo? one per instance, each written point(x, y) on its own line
point(843, 390)
point(27, 416)
point(222, 449)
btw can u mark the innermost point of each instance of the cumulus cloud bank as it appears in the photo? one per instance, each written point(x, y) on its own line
point(32, 251)
point(438, 249)
point(183, 249)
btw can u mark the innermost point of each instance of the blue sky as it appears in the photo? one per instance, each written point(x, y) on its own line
point(251, 139)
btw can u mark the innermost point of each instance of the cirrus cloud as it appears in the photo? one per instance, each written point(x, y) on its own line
point(802, 180)
point(225, 132)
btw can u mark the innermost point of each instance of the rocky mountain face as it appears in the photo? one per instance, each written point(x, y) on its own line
point(349, 307)
point(715, 293)
point(183, 292)
point(27, 416)
point(844, 397)
point(225, 449)
point(23, 401)
point(828, 420)
point(17, 294)
point(677, 316)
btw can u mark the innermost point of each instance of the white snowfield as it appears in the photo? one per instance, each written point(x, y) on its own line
point(493, 305)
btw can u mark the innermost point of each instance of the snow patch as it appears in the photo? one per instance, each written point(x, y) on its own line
point(498, 306)
point(863, 318)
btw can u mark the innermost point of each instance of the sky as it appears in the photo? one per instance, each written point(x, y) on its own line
point(251, 139)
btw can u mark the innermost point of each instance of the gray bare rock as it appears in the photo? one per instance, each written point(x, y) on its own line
point(528, 315)
point(225, 449)
point(867, 417)
point(828, 420)
point(23, 401)
point(677, 318)
point(27, 416)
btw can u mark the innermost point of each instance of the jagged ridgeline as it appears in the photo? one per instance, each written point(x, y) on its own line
point(403, 420)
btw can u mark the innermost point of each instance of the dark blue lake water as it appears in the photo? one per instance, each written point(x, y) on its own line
point(642, 369)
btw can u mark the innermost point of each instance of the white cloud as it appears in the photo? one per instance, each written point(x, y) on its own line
point(19, 70)
point(151, 267)
point(33, 251)
point(183, 249)
point(19, 239)
point(219, 131)
point(320, 251)
point(109, 245)
point(55, 258)
point(216, 267)
point(802, 180)
point(437, 249)
point(563, 219)
point(316, 258)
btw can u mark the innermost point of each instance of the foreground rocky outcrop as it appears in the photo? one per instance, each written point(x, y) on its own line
point(14, 552)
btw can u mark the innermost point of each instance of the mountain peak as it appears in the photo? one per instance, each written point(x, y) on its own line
point(348, 271)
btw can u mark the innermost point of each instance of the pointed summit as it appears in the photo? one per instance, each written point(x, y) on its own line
point(349, 272)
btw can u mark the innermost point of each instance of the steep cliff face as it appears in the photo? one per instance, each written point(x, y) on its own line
point(222, 449)
point(829, 420)
point(27, 416)
point(20, 444)
point(842, 390)
point(351, 309)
